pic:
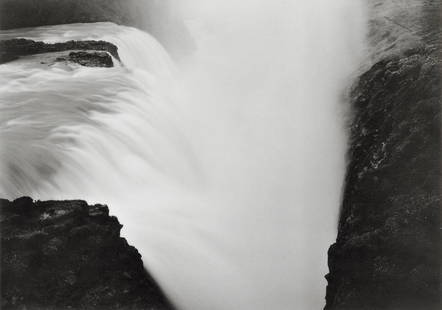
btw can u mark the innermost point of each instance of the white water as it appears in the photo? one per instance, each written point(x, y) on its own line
point(226, 171)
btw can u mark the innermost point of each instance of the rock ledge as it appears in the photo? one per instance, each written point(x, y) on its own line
point(13, 49)
point(68, 255)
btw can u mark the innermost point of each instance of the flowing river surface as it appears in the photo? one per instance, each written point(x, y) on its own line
point(226, 168)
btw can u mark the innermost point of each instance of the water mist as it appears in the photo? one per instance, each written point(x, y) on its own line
point(226, 169)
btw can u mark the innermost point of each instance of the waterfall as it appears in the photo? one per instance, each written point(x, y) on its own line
point(225, 169)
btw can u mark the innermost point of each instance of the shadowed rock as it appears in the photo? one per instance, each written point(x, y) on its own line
point(89, 59)
point(387, 253)
point(15, 48)
point(68, 255)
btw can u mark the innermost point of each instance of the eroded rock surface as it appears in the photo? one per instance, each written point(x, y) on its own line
point(13, 49)
point(386, 256)
point(89, 59)
point(68, 255)
point(387, 251)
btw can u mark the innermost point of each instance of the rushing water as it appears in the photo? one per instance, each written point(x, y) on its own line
point(226, 169)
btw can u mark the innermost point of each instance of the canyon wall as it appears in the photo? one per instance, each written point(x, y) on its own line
point(387, 251)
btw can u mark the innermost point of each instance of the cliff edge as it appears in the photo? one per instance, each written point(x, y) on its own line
point(68, 255)
point(387, 255)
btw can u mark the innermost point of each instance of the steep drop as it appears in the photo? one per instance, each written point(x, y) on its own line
point(226, 171)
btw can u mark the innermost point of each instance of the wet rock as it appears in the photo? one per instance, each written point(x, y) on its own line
point(386, 256)
point(68, 255)
point(15, 48)
point(89, 59)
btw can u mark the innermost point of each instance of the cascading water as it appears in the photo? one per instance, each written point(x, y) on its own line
point(226, 170)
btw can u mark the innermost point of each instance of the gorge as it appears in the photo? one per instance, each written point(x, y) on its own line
point(226, 164)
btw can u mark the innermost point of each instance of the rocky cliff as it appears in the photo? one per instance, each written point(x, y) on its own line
point(387, 251)
point(68, 255)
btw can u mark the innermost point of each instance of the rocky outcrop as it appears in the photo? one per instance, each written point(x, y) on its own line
point(68, 255)
point(15, 48)
point(386, 256)
point(89, 59)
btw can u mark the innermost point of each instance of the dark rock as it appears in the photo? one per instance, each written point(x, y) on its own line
point(14, 48)
point(68, 255)
point(386, 256)
point(91, 59)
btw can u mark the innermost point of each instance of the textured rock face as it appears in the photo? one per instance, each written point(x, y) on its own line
point(89, 59)
point(387, 252)
point(12, 49)
point(68, 255)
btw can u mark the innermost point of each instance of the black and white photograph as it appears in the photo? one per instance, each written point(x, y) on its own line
point(220, 154)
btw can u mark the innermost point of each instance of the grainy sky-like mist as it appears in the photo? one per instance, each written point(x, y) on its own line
point(263, 99)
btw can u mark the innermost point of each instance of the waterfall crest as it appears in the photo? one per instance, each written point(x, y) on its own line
point(226, 169)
